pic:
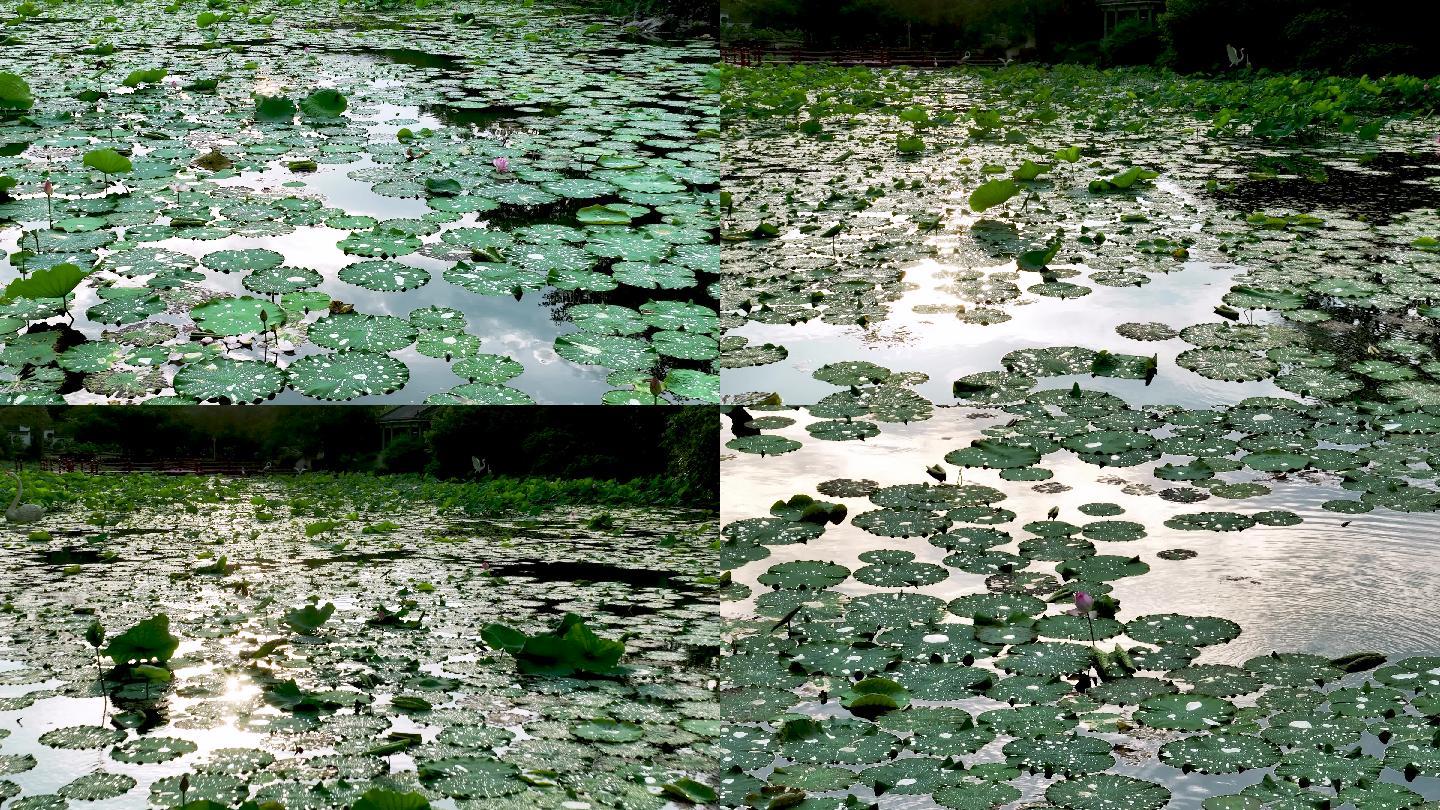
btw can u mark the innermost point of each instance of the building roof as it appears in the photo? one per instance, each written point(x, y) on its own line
point(407, 413)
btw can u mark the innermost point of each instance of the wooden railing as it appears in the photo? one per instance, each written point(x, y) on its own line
point(754, 56)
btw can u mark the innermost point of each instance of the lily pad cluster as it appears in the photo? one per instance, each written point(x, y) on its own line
point(331, 630)
point(398, 217)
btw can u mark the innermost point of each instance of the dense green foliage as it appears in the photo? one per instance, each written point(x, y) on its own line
point(325, 496)
point(611, 444)
point(1339, 36)
point(1343, 36)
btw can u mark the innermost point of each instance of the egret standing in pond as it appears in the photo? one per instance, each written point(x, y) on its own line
point(22, 512)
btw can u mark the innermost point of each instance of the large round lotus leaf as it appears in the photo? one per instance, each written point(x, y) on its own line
point(839, 742)
point(804, 575)
point(347, 375)
point(96, 786)
point(1065, 754)
point(976, 795)
point(152, 750)
point(222, 789)
point(81, 737)
point(608, 731)
point(837, 430)
point(124, 305)
point(1187, 712)
point(1031, 721)
point(384, 276)
point(439, 319)
point(493, 369)
point(912, 776)
point(229, 381)
point(1292, 669)
point(993, 455)
point(237, 316)
point(1419, 672)
point(893, 609)
point(1219, 753)
point(1227, 364)
point(371, 333)
point(901, 522)
point(1219, 680)
point(680, 316)
point(1414, 758)
point(1130, 691)
point(1113, 531)
point(685, 345)
point(901, 573)
point(619, 353)
point(1107, 791)
point(478, 393)
point(1313, 730)
point(772, 531)
point(852, 372)
point(233, 261)
point(380, 243)
point(1211, 522)
point(764, 445)
point(1047, 658)
point(1173, 628)
point(91, 357)
point(445, 344)
point(1076, 628)
point(1380, 796)
point(606, 319)
point(1028, 689)
point(1311, 766)
point(996, 605)
point(471, 777)
point(282, 279)
point(1367, 701)
point(1102, 568)
point(1055, 361)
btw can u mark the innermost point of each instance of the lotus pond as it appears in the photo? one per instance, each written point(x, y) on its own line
point(352, 641)
point(901, 624)
point(1113, 476)
point(1266, 235)
point(471, 203)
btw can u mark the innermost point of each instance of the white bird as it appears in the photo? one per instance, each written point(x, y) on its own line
point(22, 512)
point(302, 465)
point(481, 466)
point(965, 58)
point(1237, 58)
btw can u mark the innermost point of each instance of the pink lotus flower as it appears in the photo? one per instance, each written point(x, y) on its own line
point(502, 164)
point(1084, 602)
point(49, 188)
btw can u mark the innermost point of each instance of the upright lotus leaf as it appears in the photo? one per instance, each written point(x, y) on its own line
point(149, 640)
point(274, 109)
point(323, 103)
point(14, 92)
point(308, 618)
point(992, 194)
point(144, 76)
point(54, 282)
point(107, 161)
point(572, 648)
